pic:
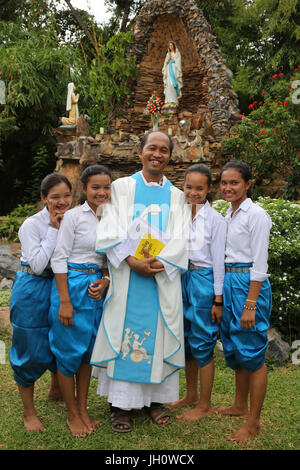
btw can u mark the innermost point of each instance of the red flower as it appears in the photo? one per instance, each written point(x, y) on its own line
point(275, 130)
point(278, 102)
point(268, 159)
point(260, 103)
point(250, 106)
point(263, 131)
point(19, 124)
point(285, 104)
point(260, 122)
point(288, 89)
point(296, 70)
point(274, 76)
point(281, 74)
point(263, 93)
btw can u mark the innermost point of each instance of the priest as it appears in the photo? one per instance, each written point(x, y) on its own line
point(139, 348)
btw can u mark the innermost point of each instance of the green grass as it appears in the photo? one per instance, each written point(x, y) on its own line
point(278, 424)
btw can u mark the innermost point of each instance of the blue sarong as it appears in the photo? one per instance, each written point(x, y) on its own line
point(244, 347)
point(200, 332)
point(30, 354)
point(73, 344)
point(135, 361)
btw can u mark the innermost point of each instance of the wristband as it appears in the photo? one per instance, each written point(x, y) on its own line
point(106, 277)
point(252, 301)
point(218, 304)
point(249, 308)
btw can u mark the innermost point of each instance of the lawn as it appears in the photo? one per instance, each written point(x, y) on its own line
point(278, 427)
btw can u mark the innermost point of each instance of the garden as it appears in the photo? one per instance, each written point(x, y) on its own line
point(42, 49)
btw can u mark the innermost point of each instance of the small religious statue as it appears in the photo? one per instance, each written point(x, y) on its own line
point(72, 107)
point(172, 75)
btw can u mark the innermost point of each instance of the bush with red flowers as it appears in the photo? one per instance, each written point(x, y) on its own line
point(268, 138)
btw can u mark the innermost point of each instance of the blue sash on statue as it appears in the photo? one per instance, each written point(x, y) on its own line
point(173, 78)
point(134, 363)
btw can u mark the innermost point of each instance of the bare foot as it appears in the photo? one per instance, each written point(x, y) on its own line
point(194, 414)
point(33, 424)
point(231, 410)
point(244, 434)
point(90, 423)
point(183, 402)
point(77, 426)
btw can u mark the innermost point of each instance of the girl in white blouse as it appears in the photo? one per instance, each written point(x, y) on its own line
point(77, 298)
point(202, 287)
point(247, 297)
point(30, 354)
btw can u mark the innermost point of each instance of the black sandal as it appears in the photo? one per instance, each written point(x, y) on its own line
point(161, 413)
point(118, 418)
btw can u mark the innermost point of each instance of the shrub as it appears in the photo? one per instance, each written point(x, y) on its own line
point(268, 138)
point(284, 262)
point(10, 225)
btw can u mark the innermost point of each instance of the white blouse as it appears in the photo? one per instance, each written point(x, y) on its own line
point(76, 240)
point(38, 240)
point(248, 238)
point(207, 243)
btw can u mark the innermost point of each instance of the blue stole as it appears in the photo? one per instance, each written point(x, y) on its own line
point(134, 362)
point(173, 78)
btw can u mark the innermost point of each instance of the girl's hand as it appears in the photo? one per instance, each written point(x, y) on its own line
point(55, 216)
point(97, 288)
point(65, 314)
point(248, 319)
point(216, 314)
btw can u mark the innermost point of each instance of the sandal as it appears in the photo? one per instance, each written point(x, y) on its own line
point(118, 418)
point(156, 411)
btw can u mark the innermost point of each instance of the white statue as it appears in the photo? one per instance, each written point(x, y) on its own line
point(71, 106)
point(172, 75)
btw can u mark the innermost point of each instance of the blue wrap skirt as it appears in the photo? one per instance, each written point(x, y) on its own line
point(30, 355)
point(244, 347)
point(73, 344)
point(200, 332)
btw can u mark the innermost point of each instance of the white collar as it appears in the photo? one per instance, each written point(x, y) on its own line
point(161, 183)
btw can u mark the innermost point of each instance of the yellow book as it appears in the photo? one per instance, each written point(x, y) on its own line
point(153, 245)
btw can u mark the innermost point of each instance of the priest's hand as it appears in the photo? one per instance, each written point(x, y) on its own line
point(146, 267)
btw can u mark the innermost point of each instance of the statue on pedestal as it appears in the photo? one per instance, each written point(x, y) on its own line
point(71, 106)
point(172, 75)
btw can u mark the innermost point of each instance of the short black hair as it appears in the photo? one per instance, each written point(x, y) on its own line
point(199, 168)
point(94, 170)
point(145, 138)
point(52, 180)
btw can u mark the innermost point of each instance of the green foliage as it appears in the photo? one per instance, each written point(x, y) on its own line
point(283, 261)
point(108, 80)
point(4, 297)
point(257, 37)
point(268, 138)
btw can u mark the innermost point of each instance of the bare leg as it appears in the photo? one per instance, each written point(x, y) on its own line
point(54, 392)
point(31, 420)
point(203, 407)
point(83, 381)
point(240, 405)
point(191, 376)
point(74, 421)
point(258, 387)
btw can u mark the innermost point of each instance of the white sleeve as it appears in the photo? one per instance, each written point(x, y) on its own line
point(259, 226)
point(218, 242)
point(37, 252)
point(65, 239)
